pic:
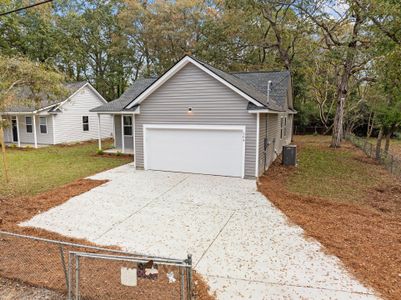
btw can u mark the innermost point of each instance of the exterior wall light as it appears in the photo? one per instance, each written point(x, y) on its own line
point(189, 110)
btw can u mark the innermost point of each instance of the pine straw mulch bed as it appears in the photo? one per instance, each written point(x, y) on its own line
point(365, 234)
point(35, 267)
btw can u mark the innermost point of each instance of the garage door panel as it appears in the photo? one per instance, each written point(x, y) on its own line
point(205, 151)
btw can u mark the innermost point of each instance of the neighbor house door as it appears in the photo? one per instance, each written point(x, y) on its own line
point(14, 129)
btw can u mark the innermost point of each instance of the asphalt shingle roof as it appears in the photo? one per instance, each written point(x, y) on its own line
point(127, 97)
point(278, 89)
point(22, 96)
point(249, 83)
point(254, 84)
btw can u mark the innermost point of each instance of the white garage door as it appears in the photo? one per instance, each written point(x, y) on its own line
point(216, 150)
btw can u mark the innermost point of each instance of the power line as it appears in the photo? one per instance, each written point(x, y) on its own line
point(24, 8)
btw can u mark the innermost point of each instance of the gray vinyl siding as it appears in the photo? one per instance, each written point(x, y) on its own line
point(262, 135)
point(273, 135)
point(212, 104)
point(7, 130)
point(128, 140)
point(69, 127)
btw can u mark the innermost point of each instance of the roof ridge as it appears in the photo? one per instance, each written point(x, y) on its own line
point(250, 72)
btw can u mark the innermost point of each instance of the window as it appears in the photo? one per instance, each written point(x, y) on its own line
point(85, 123)
point(43, 124)
point(127, 125)
point(281, 128)
point(28, 123)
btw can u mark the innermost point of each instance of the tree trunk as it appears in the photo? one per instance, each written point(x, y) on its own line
point(370, 126)
point(379, 144)
point(387, 144)
point(337, 135)
point(3, 151)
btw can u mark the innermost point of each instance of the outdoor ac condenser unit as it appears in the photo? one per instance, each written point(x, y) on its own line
point(289, 155)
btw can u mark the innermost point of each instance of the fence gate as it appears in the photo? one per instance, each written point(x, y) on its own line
point(104, 276)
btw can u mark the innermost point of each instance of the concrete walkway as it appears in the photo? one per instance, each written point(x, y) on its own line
point(243, 245)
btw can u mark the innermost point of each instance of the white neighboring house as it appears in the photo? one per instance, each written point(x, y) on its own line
point(53, 121)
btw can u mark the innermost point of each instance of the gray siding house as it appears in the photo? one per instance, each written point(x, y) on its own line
point(198, 119)
point(56, 121)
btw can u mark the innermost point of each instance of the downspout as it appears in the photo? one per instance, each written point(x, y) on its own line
point(257, 144)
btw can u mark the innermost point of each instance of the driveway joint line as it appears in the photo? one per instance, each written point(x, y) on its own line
point(218, 234)
point(140, 209)
point(289, 284)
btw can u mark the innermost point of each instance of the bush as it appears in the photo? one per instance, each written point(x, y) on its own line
point(99, 152)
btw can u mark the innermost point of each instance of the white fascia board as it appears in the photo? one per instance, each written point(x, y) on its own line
point(17, 113)
point(76, 92)
point(178, 67)
point(194, 127)
point(63, 102)
point(136, 112)
point(96, 92)
point(263, 111)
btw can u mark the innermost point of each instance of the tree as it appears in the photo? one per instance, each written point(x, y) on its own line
point(343, 34)
point(19, 72)
point(388, 110)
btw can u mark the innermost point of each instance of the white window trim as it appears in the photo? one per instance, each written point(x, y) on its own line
point(40, 125)
point(132, 127)
point(195, 127)
point(83, 124)
point(27, 124)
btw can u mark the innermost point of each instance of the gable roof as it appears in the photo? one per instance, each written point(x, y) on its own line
point(251, 85)
point(127, 97)
point(46, 101)
point(280, 81)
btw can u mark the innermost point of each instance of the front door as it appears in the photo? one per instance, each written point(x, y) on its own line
point(15, 129)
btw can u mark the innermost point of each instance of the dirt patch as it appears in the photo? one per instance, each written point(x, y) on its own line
point(13, 290)
point(364, 234)
point(114, 155)
point(35, 268)
point(16, 210)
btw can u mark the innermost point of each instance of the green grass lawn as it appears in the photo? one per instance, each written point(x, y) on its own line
point(340, 174)
point(33, 171)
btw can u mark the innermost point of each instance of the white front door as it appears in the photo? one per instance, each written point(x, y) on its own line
point(215, 150)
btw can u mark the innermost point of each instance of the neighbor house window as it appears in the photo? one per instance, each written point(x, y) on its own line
point(43, 124)
point(127, 125)
point(85, 123)
point(28, 123)
point(281, 127)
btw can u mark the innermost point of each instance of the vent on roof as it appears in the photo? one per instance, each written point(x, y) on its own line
point(269, 83)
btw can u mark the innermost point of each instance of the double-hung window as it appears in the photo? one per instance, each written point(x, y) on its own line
point(28, 123)
point(43, 124)
point(85, 123)
point(127, 125)
point(281, 128)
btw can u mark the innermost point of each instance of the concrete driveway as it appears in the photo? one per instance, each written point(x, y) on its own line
point(243, 245)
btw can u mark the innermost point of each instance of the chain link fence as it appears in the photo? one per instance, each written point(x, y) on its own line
point(389, 160)
point(75, 271)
